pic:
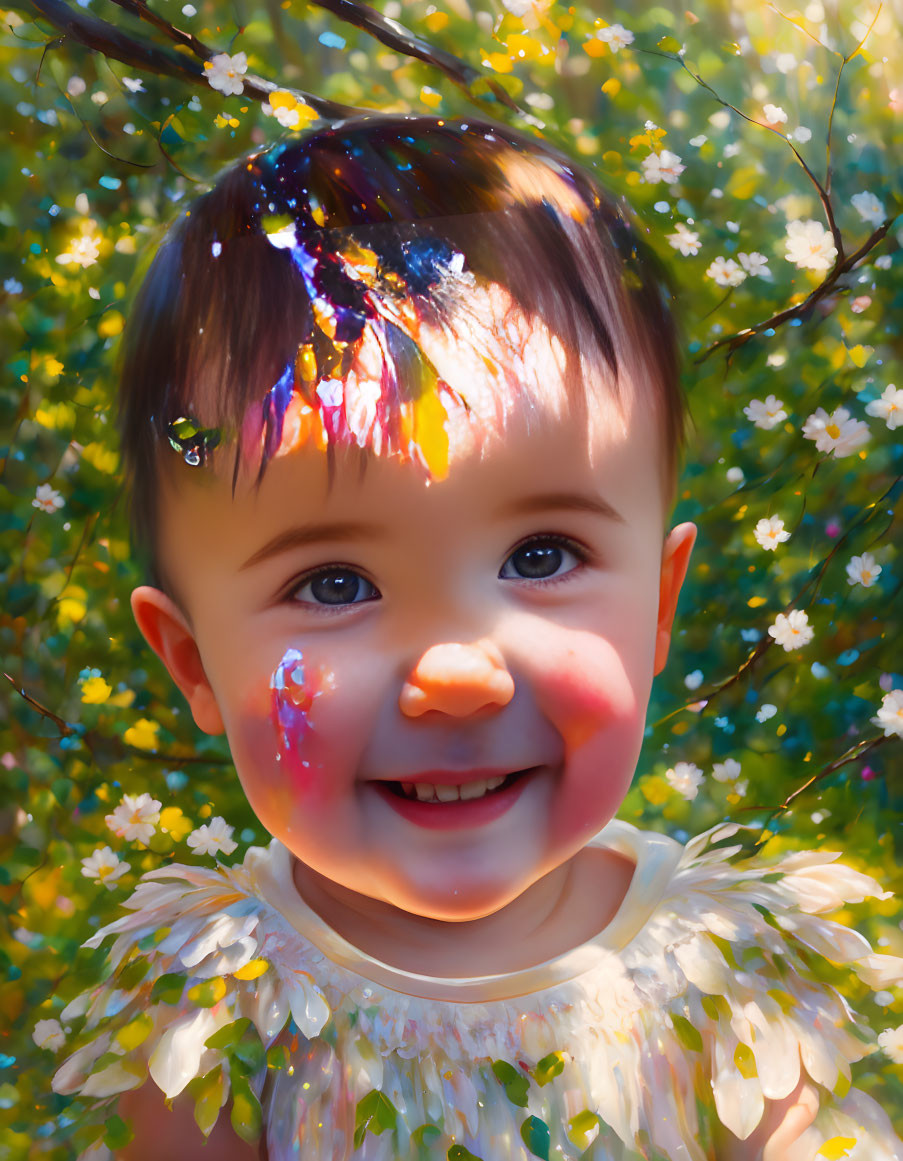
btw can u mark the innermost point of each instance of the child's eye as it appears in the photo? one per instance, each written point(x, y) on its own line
point(334, 587)
point(543, 557)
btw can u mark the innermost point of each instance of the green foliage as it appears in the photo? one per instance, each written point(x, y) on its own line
point(96, 167)
point(375, 1113)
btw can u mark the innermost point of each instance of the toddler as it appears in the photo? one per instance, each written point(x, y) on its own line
point(401, 411)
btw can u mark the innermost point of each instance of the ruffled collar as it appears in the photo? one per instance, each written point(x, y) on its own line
point(655, 857)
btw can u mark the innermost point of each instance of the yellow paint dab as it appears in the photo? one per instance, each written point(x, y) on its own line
point(252, 970)
point(837, 1148)
point(756, 602)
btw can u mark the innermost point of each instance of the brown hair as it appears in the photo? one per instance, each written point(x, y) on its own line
point(222, 312)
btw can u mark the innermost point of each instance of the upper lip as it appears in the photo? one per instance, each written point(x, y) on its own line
point(455, 777)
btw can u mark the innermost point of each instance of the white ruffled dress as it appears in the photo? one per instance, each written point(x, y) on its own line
point(702, 999)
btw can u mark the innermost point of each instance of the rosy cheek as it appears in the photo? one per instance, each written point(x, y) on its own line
point(584, 688)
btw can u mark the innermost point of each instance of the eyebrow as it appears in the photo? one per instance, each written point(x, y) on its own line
point(335, 533)
point(563, 501)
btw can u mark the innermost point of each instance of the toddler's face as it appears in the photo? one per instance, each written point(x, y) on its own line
point(358, 636)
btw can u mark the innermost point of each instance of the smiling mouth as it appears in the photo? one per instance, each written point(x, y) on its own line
point(468, 791)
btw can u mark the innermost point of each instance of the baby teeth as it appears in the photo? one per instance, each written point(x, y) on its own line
point(426, 793)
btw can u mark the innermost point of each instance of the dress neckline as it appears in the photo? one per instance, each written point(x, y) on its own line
point(655, 857)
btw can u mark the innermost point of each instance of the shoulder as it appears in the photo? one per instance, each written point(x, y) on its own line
point(203, 975)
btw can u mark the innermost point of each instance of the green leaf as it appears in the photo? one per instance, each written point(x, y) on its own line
point(687, 1034)
point(535, 1135)
point(549, 1067)
point(228, 1035)
point(168, 989)
point(117, 1134)
point(278, 1057)
point(246, 1116)
point(517, 1085)
point(209, 1097)
point(581, 1126)
point(669, 44)
point(375, 1113)
point(460, 1153)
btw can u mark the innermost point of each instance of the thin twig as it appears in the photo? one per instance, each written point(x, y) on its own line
point(851, 755)
point(62, 725)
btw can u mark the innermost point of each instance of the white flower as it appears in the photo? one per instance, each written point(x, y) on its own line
point(664, 166)
point(869, 208)
point(133, 84)
point(770, 532)
point(837, 432)
point(726, 272)
point(863, 570)
point(48, 1034)
point(104, 866)
point(224, 72)
point(84, 249)
point(698, 141)
point(47, 498)
point(765, 415)
point(135, 818)
point(684, 239)
point(735, 475)
point(732, 149)
point(685, 778)
point(726, 771)
point(755, 264)
point(774, 114)
point(616, 36)
point(809, 245)
point(802, 134)
point(766, 711)
point(890, 715)
point(889, 407)
point(891, 1040)
point(884, 262)
point(791, 631)
point(211, 838)
point(694, 680)
point(740, 786)
point(76, 86)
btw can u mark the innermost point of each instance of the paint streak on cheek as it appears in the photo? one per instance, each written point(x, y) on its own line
point(294, 690)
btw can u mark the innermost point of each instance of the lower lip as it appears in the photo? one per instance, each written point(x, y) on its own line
point(460, 813)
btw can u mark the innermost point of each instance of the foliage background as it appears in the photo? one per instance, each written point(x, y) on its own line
point(94, 159)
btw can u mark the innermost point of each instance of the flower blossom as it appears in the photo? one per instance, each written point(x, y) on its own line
point(224, 72)
point(809, 245)
point(726, 771)
point(48, 1034)
point(770, 532)
point(211, 838)
point(288, 110)
point(685, 778)
point(95, 690)
point(791, 631)
point(755, 264)
point(891, 1041)
point(726, 272)
point(616, 36)
point(104, 866)
point(664, 166)
point(684, 239)
point(765, 415)
point(863, 570)
point(869, 208)
point(838, 432)
point(135, 818)
point(47, 498)
point(774, 114)
point(766, 712)
point(890, 715)
point(860, 303)
point(889, 407)
point(84, 249)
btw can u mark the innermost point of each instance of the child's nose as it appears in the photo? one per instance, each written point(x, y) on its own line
point(457, 679)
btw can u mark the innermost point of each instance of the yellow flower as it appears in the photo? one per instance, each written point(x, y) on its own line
point(175, 824)
point(142, 735)
point(95, 691)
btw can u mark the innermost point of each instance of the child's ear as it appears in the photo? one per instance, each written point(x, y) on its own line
point(675, 559)
point(167, 632)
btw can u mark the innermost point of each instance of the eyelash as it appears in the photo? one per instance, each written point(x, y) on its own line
point(550, 538)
